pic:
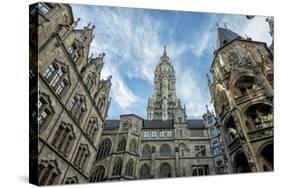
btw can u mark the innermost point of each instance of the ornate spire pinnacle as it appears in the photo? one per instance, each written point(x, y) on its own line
point(164, 53)
point(165, 56)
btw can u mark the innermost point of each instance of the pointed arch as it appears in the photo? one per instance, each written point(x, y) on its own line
point(48, 172)
point(165, 170)
point(122, 144)
point(130, 168)
point(133, 146)
point(144, 172)
point(117, 168)
point(146, 151)
point(98, 174)
point(104, 149)
point(165, 150)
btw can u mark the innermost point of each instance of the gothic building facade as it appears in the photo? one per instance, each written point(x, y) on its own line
point(69, 101)
point(242, 93)
point(72, 141)
point(166, 144)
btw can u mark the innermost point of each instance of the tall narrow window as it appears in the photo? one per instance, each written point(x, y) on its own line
point(146, 151)
point(165, 150)
point(133, 146)
point(145, 172)
point(165, 170)
point(48, 173)
point(200, 170)
point(117, 168)
point(57, 77)
point(44, 109)
point(104, 149)
point(92, 128)
point(82, 156)
point(98, 174)
point(77, 107)
point(200, 151)
point(129, 168)
point(44, 8)
point(122, 145)
point(90, 81)
point(64, 138)
point(73, 52)
point(101, 103)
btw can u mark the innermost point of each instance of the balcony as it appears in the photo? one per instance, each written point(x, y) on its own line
point(234, 144)
point(249, 94)
point(262, 131)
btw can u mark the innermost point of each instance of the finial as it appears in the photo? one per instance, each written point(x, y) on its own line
point(93, 26)
point(89, 24)
point(91, 56)
point(103, 54)
point(217, 23)
point(165, 53)
point(76, 22)
point(225, 25)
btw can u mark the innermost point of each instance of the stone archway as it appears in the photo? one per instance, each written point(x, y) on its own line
point(241, 164)
point(265, 158)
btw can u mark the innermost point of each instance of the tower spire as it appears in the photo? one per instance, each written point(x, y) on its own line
point(164, 53)
point(165, 56)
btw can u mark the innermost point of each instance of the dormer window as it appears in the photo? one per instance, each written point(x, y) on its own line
point(44, 8)
point(56, 76)
point(73, 52)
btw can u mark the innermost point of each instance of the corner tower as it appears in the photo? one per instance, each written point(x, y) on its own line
point(163, 104)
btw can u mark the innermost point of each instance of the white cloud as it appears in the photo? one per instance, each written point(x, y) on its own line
point(202, 44)
point(133, 43)
point(120, 91)
point(192, 93)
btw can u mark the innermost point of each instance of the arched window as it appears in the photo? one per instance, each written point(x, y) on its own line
point(82, 157)
point(101, 103)
point(146, 151)
point(77, 107)
point(64, 138)
point(246, 85)
point(117, 168)
point(165, 170)
point(98, 174)
point(90, 80)
point(73, 51)
point(144, 172)
point(72, 180)
point(133, 146)
point(165, 150)
point(230, 131)
point(45, 110)
point(57, 77)
point(48, 172)
point(104, 149)
point(122, 145)
point(92, 128)
point(129, 168)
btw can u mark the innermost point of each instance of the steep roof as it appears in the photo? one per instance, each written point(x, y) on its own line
point(111, 124)
point(158, 124)
point(195, 124)
point(225, 36)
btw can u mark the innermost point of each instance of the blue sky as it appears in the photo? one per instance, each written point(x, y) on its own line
point(133, 41)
